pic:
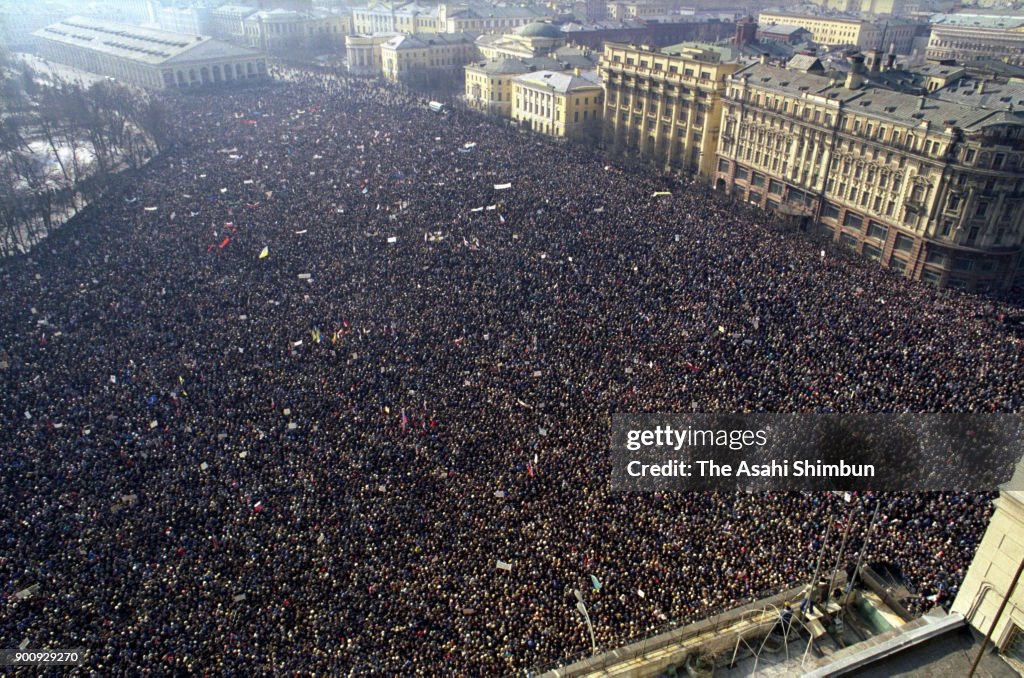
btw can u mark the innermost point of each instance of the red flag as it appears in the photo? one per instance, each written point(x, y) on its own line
point(529, 468)
point(224, 243)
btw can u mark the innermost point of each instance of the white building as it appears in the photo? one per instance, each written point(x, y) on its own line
point(281, 30)
point(228, 21)
point(191, 20)
point(148, 57)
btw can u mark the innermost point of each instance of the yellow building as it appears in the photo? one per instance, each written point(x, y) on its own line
point(928, 187)
point(409, 58)
point(831, 31)
point(489, 85)
point(863, 6)
point(666, 106)
point(363, 53)
point(636, 10)
point(558, 104)
point(992, 577)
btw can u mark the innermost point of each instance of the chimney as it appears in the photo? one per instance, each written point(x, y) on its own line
point(763, 58)
point(873, 61)
point(921, 102)
point(855, 78)
point(576, 71)
point(890, 61)
point(981, 87)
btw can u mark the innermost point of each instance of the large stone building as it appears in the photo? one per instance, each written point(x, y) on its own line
point(228, 21)
point(969, 37)
point(148, 57)
point(487, 18)
point(830, 31)
point(896, 7)
point(413, 18)
point(410, 18)
point(285, 30)
point(191, 20)
point(636, 9)
point(416, 58)
point(665, 104)
point(363, 53)
point(994, 577)
point(931, 188)
point(527, 41)
point(558, 104)
point(489, 85)
point(655, 32)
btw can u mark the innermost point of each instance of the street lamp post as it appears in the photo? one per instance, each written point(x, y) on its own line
point(582, 608)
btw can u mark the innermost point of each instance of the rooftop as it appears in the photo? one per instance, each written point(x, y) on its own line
point(144, 45)
point(539, 29)
point(500, 67)
point(425, 40)
point(562, 83)
point(875, 101)
point(991, 21)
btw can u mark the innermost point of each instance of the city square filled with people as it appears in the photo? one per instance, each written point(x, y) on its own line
point(326, 388)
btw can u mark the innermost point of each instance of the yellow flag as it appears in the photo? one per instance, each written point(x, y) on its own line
point(265, 253)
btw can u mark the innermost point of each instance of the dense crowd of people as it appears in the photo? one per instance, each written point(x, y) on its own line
point(313, 394)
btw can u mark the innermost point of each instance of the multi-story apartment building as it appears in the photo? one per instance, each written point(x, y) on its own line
point(664, 104)
point(931, 188)
point(830, 31)
point(558, 104)
point(969, 37)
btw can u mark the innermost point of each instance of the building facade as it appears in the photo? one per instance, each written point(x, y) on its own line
point(489, 85)
point(666, 107)
point(558, 104)
point(894, 34)
point(410, 58)
point(283, 30)
point(484, 18)
point(864, 6)
point(148, 57)
point(971, 37)
point(621, 9)
point(363, 54)
point(191, 20)
point(413, 18)
point(410, 18)
point(533, 39)
point(228, 21)
point(992, 575)
point(930, 188)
